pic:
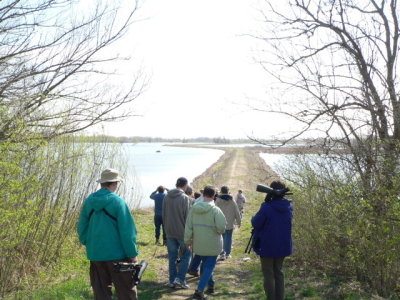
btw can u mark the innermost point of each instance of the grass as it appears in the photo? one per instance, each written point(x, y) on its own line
point(235, 278)
point(69, 279)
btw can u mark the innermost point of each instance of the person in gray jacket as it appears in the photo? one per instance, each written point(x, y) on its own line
point(175, 210)
point(232, 215)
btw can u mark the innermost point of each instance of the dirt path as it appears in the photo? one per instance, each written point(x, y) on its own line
point(238, 169)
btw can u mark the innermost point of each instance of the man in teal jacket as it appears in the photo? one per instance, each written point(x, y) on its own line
point(108, 231)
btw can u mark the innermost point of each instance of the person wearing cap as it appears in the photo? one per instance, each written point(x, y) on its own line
point(175, 210)
point(107, 229)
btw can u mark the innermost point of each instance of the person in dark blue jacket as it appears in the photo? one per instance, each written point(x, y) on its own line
point(272, 240)
point(158, 197)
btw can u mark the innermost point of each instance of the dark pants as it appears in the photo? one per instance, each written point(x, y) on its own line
point(194, 265)
point(274, 285)
point(102, 276)
point(158, 222)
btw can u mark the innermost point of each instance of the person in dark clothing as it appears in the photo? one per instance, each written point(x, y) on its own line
point(272, 240)
point(158, 197)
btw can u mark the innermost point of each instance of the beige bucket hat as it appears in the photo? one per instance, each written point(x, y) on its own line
point(110, 175)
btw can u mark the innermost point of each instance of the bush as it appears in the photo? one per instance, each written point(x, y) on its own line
point(337, 227)
point(43, 186)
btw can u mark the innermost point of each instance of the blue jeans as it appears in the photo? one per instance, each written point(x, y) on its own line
point(158, 223)
point(194, 265)
point(227, 236)
point(174, 247)
point(206, 272)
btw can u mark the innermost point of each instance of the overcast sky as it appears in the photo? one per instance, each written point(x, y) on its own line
point(200, 62)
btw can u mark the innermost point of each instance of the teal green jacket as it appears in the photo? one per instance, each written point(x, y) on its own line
point(106, 227)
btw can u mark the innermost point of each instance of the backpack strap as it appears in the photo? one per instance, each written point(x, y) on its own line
point(108, 214)
point(105, 211)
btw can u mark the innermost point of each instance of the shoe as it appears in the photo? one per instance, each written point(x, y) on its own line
point(164, 243)
point(222, 257)
point(228, 256)
point(158, 242)
point(180, 284)
point(194, 273)
point(210, 290)
point(171, 285)
point(198, 295)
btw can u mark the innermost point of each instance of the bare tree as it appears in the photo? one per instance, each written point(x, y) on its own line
point(338, 62)
point(53, 78)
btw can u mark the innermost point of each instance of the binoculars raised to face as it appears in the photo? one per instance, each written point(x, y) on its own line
point(272, 192)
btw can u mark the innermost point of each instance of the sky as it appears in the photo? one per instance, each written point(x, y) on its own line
point(202, 67)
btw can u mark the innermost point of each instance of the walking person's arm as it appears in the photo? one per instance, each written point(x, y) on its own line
point(237, 215)
point(188, 238)
point(220, 221)
point(127, 231)
point(83, 224)
point(260, 217)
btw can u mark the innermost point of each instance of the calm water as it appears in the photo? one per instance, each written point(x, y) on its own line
point(155, 164)
point(274, 161)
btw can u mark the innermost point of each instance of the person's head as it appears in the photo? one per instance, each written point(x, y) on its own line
point(240, 191)
point(209, 192)
point(196, 195)
point(109, 179)
point(189, 190)
point(277, 185)
point(160, 189)
point(182, 183)
point(224, 190)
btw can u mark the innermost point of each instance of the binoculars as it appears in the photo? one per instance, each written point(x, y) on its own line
point(136, 269)
point(265, 189)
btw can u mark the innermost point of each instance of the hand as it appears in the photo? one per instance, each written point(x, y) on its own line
point(189, 246)
point(133, 259)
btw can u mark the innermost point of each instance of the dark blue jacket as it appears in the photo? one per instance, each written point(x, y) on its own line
point(273, 229)
point(158, 202)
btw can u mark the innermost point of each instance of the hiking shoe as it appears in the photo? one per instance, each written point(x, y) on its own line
point(210, 290)
point(194, 273)
point(198, 295)
point(180, 284)
point(222, 257)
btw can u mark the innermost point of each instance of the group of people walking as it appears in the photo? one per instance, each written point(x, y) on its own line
point(197, 232)
point(199, 227)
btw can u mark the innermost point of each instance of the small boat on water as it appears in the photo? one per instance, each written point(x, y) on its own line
point(158, 151)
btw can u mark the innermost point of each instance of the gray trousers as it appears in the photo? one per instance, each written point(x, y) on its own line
point(274, 285)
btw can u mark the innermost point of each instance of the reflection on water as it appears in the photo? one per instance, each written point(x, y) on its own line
point(154, 164)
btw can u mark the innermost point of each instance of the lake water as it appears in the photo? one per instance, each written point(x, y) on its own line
point(155, 164)
point(275, 160)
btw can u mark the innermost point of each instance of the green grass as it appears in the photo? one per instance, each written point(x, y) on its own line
point(69, 278)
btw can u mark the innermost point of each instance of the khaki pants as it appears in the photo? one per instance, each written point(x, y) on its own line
point(274, 285)
point(102, 276)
